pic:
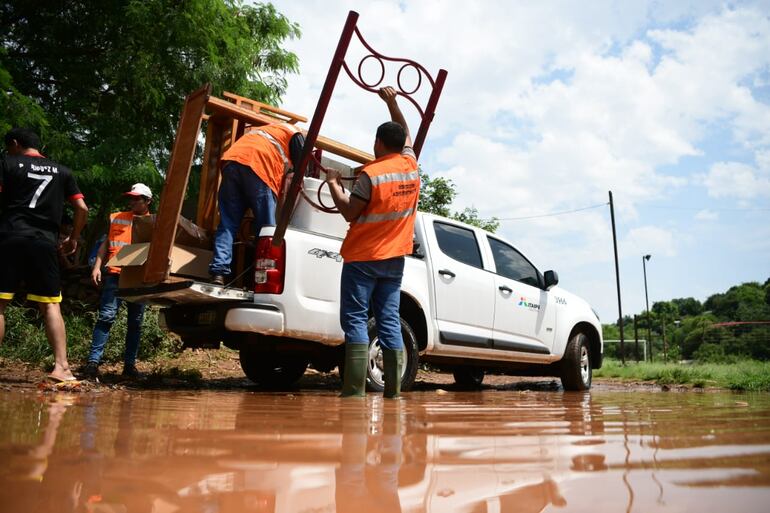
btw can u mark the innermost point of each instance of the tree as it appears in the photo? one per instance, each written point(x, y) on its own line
point(688, 306)
point(437, 194)
point(17, 109)
point(111, 76)
point(745, 302)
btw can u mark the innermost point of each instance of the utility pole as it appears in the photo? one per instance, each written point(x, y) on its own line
point(645, 258)
point(617, 280)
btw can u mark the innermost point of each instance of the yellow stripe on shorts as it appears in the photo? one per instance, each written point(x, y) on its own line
point(44, 299)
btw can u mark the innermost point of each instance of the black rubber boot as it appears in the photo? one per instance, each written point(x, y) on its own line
point(394, 363)
point(356, 363)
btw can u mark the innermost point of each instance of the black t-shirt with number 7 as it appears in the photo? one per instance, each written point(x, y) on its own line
point(33, 191)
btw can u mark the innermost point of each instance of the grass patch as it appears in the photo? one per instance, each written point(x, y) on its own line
point(747, 375)
point(25, 338)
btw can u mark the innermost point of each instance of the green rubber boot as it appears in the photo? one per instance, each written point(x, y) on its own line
point(394, 363)
point(356, 363)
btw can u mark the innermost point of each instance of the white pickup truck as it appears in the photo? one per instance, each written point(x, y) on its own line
point(470, 303)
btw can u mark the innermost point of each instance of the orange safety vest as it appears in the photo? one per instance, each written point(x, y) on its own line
point(385, 229)
point(265, 151)
point(118, 236)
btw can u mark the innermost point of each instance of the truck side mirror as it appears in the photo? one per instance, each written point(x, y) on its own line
point(551, 279)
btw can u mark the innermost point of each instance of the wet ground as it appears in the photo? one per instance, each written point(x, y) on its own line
point(432, 451)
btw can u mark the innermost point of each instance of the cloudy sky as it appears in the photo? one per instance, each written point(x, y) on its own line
point(550, 105)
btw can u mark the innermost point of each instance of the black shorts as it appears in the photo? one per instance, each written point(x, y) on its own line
point(35, 263)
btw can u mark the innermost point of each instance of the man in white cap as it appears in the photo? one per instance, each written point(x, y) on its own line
point(139, 199)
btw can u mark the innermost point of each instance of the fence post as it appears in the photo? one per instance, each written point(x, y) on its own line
point(636, 340)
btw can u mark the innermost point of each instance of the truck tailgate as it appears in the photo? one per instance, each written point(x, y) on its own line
point(184, 292)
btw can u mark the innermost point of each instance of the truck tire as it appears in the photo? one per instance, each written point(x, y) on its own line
point(469, 378)
point(269, 371)
point(576, 364)
point(374, 373)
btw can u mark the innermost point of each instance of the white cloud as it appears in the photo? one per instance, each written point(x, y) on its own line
point(706, 215)
point(735, 179)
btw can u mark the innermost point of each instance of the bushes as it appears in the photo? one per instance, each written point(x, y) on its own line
point(25, 337)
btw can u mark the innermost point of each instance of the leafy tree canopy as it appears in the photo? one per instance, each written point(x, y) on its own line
point(104, 81)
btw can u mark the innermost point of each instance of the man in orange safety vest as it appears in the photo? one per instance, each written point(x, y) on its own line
point(119, 235)
point(252, 171)
point(381, 210)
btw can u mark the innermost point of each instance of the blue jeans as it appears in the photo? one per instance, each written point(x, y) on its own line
point(379, 283)
point(241, 188)
point(108, 310)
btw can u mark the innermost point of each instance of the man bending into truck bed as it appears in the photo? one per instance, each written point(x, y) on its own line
point(381, 211)
point(252, 170)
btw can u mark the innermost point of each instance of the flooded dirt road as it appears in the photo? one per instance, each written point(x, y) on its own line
point(490, 451)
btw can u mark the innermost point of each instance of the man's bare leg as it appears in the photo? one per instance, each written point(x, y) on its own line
point(3, 304)
point(57, 337)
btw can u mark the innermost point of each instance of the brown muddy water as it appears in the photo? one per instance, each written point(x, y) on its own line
point(212, 452)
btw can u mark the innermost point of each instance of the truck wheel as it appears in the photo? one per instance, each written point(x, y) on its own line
point(375, 381)
point(269, 371)
point(469, 377)
point(576, 364)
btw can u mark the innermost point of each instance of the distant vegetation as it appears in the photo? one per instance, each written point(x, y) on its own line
point(727, 328)
point(747, 375)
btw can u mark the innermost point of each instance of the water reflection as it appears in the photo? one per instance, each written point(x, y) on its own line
point(469, 452)
point(369, 463)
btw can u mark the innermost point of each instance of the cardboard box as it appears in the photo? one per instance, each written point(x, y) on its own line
point(186, 263)
point(187, 233)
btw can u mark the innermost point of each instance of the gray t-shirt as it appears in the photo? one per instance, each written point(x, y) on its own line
point(363, 187)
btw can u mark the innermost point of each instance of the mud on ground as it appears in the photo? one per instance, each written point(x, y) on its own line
point(220, 370)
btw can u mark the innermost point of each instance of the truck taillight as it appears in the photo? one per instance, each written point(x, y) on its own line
point(269, 267)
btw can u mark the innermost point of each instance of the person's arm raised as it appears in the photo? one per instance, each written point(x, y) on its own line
point(389, 95)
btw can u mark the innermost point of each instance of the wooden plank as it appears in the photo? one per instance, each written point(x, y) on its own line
point(210, 176)
point(291, 117)
point(222, 109)
point(343, 150)
point(225, 109)
point(177, 175)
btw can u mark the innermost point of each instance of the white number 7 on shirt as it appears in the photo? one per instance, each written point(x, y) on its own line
point(46, 179)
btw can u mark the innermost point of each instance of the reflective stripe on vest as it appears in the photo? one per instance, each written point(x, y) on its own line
point(389, 216)
point(278, 147)
point(385, 228)
point(118, 236)
point(394, 177)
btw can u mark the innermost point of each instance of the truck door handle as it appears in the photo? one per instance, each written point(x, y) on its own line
point(505, 288)
point(447, 272)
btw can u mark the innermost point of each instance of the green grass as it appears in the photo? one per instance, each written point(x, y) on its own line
point(748, 375)
point(25, 338)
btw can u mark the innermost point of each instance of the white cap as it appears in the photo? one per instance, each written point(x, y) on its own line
point(139, 189)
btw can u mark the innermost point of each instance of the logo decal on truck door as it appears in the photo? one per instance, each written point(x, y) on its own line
point(321, 253)
point(528, 304)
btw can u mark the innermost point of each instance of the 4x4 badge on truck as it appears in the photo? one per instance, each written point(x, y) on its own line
point(321, 253)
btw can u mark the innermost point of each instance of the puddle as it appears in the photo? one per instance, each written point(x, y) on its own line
point(494, 451)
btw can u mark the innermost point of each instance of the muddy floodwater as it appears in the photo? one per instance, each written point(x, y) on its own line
point(436, 451)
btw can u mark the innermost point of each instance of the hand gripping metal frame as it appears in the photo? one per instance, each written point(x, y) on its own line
point(289, 193)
